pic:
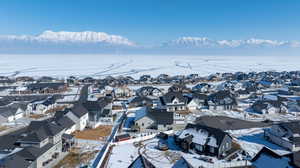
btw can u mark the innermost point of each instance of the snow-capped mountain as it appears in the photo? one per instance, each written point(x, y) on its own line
point(69, 37)
point(100, 42)
point(203, 42)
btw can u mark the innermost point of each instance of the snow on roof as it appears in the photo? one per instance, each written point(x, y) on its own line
point(212, 141)
point(199, 136)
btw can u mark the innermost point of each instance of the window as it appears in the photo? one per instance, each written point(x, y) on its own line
point(212, 149)
point(199, 148)
point(142, 124)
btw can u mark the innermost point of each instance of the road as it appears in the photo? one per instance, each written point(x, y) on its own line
point(115, 129)
point(84, 93)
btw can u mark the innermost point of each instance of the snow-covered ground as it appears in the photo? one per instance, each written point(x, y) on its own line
point(137, 65)
point(161, 159)
point(122, 156)
point(252, 141)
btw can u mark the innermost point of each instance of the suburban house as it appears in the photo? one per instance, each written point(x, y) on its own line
point(222, 100)
point(286, 135)
point(149, 91)
point(41, 106)
point(269, 107)
point(202, 88)
point(139, 101)
point(61, 119)
point(38, 145)
point(121, 92)
point(79, 115)
point(179, 88)
point(158, 119)
point(197, 101)
point(99, 112)
point(12, 112)
point(174, 101)
point(43, 88)
point(204, 140)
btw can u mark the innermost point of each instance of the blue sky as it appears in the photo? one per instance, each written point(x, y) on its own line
point(154, 21)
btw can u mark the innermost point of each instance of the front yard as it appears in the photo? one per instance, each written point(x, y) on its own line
point(98, 133)
point(75, 158)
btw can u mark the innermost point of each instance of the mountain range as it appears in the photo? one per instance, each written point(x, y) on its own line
point(100, 42)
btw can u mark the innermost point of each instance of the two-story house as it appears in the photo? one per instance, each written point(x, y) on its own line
point(204, 140)
point(174, 101)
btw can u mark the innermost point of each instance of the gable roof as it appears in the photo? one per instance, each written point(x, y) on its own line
point(65, 122)
point(218, 134)
point(8, 111)
point(96, 105)
point(294, 126)
point(170, 96)
point(79, 110)
point(160, 116)
point(138, 99)
point(141, 162)
point(37, 131)
point(14, 161)
point(41, 86)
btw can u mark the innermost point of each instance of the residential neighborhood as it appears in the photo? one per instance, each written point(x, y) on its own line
point(231, 120)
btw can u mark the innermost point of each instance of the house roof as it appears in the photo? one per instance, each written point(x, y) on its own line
point(96, 105)
point(138, 99)
point(160, 116)
point(264, 104)
point(65, 122)
point(223, 97)
point(218, 134)
point(79, 110)
point(7, 111)
point(170, 96)
point(41, 86)
point(141, 162)
point(37, 131)
point(14, 161)
point(294, 126)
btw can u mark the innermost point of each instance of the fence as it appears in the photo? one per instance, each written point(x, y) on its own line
point(232, 164)
point(141, 138)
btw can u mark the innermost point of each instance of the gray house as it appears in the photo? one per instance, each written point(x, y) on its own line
point(99, 112)
point(158, 119)
point(35, 146)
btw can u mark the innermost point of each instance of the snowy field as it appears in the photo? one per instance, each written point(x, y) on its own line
point(137, 65)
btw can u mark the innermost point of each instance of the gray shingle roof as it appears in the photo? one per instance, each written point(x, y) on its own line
point(79, 110)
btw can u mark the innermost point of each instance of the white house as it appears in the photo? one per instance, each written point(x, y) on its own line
point(79, 115)
point(41, 106)
point(12, 112)
point(174, 101)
